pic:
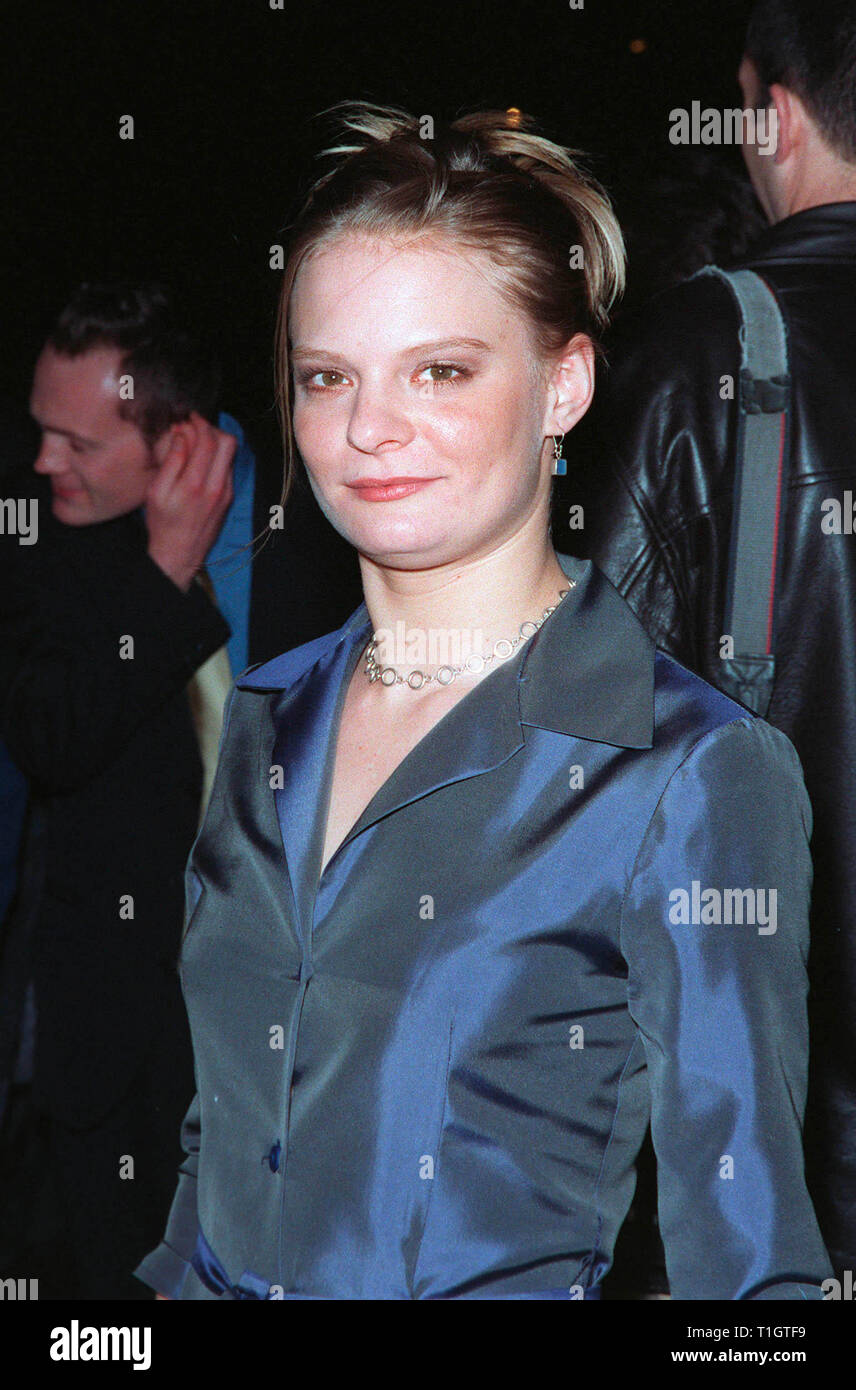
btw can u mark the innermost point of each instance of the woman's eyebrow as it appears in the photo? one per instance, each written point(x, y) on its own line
point(326, 353)
point(440, 344)
point(435, 345)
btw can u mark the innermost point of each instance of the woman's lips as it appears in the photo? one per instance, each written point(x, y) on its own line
point(387, 490)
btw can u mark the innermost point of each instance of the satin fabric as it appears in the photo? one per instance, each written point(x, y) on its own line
point(427, 1073)
point(653, 467)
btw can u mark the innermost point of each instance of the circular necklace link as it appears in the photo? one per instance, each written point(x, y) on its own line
point(503, 648)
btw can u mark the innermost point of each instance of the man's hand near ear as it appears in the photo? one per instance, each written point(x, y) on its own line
point(189, 496)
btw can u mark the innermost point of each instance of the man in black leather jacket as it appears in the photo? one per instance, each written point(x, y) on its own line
point(653, 468)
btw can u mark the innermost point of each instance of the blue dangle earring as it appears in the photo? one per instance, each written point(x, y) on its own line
point(560, 465)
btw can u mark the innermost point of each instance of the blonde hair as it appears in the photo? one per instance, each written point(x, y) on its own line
point(486, 180)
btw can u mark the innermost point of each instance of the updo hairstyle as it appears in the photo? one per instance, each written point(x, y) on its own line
point(486, 180)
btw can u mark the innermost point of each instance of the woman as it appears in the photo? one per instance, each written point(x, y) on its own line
point(474, 898)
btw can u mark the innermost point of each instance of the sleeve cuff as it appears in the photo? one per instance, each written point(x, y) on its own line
point(182, 629)
point(164, 1270)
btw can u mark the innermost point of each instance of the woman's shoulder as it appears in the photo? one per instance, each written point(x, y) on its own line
point(691, 714)
point(676, 686)
point(279, 674)
point(283, 670)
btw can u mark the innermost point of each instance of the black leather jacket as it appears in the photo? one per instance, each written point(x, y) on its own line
point(653, 467)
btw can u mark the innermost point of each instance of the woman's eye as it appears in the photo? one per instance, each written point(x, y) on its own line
point(445, 373)
point(320, 381)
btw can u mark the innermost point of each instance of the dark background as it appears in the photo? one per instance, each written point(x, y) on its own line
point(223, 96)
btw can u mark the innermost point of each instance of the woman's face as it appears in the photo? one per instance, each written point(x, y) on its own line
point(419, 408)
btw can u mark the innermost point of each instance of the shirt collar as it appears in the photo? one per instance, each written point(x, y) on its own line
point(588, 671)
point(825, 232)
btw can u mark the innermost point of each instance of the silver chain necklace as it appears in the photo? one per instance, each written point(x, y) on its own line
point(503, 648)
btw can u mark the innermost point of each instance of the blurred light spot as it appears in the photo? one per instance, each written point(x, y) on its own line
point(638, 45)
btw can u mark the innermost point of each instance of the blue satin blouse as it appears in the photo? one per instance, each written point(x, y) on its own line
point(580, 901)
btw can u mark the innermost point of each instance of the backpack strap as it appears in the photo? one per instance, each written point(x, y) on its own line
point(760, 477)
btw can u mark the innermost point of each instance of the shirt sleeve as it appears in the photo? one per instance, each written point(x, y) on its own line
point(166, 1268)
point(715, 935)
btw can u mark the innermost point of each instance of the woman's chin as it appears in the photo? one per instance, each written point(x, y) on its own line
point(387, 541)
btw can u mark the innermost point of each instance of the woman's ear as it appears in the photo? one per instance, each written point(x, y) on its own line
point(571, 385)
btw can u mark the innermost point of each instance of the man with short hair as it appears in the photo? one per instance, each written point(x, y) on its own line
point(103, 627)
point(654, 469)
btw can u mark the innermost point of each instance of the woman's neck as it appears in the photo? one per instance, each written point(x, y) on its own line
point(430, 615)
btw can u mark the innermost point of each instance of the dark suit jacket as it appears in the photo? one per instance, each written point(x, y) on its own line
point(427, 1075)
point(111, 754)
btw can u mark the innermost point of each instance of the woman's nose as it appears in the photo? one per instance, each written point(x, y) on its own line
point(376, 420)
